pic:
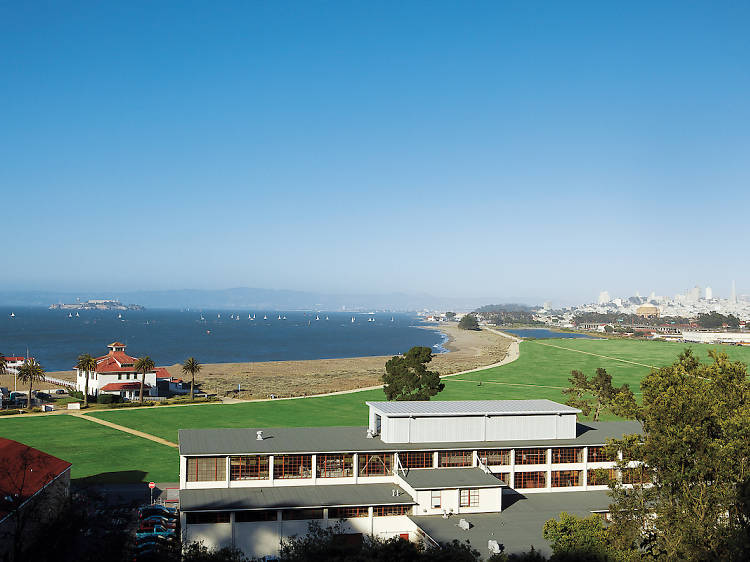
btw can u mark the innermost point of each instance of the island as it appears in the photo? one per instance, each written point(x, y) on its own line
point(96, 304)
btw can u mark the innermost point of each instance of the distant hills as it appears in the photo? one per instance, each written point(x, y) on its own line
point(250, 298)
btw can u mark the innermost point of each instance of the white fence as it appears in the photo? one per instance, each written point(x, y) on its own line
point(61, 382)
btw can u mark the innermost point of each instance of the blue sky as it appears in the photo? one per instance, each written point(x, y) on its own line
point(537, 150)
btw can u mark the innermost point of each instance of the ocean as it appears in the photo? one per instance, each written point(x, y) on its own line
point(222, 336)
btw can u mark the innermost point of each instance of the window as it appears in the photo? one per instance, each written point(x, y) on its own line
point(203, 517)
point(375, 464)
point(598, 454)
point(297, 514)
point(601, 476)
point(348, 512)
point(531, 479)
point(469, 498)
point(567, 455)
point(415, 460)
point(435, 498)
point(455, 458)
point(252, 516)
point(639, 475)
point(494, 457)
point(566, 478)
point(504, 477)
point(390, 510)
point(334, 466)
point(206, 469)
point(292, 466)
point(119, 377)
point(531, 456)
point(252, 467)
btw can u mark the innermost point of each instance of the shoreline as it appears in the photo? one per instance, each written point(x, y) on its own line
point(466, 350)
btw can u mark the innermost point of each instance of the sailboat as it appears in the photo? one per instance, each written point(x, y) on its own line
point(391, 318)
point(284, 318)
point(70, 315)
point(249, 317)
point(78, 315)
point(326, 317)
point(279, 316)
point(218, 316)
point(317, 317)
point(202, 319)
point(12, 314)
point(265, 317)
point(119, 315)
point(352, 318)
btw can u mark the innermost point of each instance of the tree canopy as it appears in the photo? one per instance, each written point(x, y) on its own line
point(597, 395)
point(407, 378)
point(468, 322)
point(713, 320)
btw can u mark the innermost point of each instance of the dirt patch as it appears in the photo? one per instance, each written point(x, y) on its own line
point(467, 350)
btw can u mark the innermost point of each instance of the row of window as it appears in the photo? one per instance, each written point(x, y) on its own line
point(571, 478)
point(199, 518)
point(256, 467)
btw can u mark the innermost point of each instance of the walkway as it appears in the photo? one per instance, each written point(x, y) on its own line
point(130, 430)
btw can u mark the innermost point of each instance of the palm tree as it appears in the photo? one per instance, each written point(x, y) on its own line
point(87, 364)
point(29, 372)
point(191, 367)
point(143, 365)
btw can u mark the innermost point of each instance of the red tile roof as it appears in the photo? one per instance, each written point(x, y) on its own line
point(16, 358)
point(123, 386)
point(162, 373)
point(24, 471)
point(117, 344)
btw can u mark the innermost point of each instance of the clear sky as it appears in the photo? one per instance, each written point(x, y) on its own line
point(540, 150)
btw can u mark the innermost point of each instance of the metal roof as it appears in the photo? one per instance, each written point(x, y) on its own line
point(300, 440)
point(283, 497)
point(472, 407)
point(433, 478)
point(519, 526)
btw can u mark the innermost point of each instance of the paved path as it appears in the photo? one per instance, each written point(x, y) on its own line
point(130, 430)
point(477, 382)
point(594, 354)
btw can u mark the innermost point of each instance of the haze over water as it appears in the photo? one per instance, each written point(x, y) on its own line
point(170, 336)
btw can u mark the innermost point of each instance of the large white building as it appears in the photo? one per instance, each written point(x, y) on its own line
point(115, 374)
point(414, 462)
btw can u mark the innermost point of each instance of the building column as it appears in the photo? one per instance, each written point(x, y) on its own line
point(549, 469)
point(355, 467)
point(585, 468)
point(227, 477)
point(313, 468)
point(512, 475)
point(371, 521)
point(270, 474)
point(435, 460)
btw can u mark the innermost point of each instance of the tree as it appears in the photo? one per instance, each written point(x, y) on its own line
point(143, 365)
point(87, 364)
point(191, 367)
point(3, 365)
point(597, 395)
point(30, 372)
point(407, 378)
point(581, 539)
point(450, 315)
point(695, 448)
point(468, 322)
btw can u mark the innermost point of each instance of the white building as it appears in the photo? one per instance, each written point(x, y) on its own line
point(415, 461)
point(12, 364)
point(115, 374)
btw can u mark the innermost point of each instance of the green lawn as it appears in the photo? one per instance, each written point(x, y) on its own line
point(540, 372)
point(98, 453)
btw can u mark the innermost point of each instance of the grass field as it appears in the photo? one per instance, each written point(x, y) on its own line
point(541, 372)
point(98, 453)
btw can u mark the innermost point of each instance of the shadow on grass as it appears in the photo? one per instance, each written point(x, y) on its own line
point(118, 477)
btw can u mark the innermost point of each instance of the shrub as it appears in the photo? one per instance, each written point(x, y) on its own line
point(109, 399)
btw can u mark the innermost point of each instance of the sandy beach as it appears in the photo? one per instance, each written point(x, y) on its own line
point(467, 350)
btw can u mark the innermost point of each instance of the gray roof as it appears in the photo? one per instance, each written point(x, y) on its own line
point(238, 441)
point(280, 497)
point(519, 526)
point(432, 478)
point(472, 407)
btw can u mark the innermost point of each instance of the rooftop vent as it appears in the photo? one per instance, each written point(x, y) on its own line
point(370, 433)
point(259, 435)
point(464, 524)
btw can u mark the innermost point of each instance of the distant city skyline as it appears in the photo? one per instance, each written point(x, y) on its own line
point(514, 151)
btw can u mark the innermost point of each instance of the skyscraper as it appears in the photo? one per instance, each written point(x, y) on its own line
point(603, 297)
point(709, 293)
point(733, 296)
